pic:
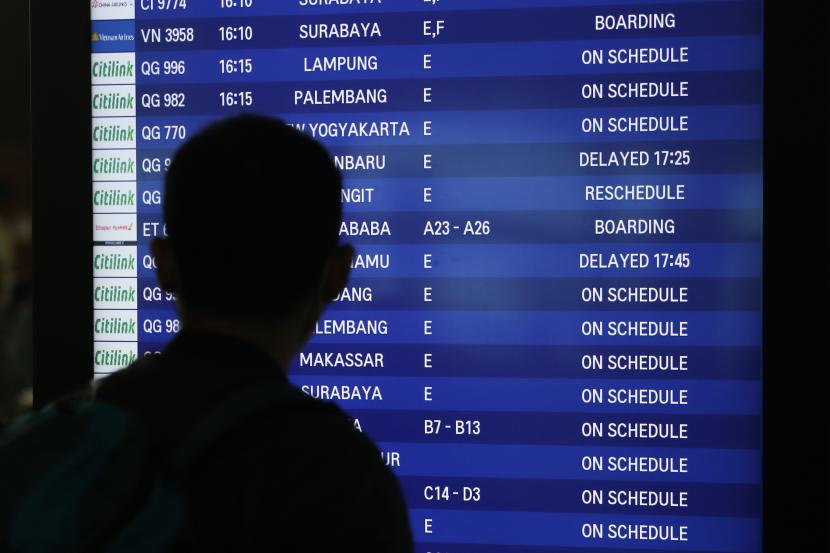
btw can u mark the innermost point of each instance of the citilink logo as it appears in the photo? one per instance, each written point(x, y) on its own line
point(114, 132)
point(115, 293)
point(114, 165)
point(110, 357)
point(115, 261)
point(116, 325)
point(113, 101)
point(113, 197)
point(116, 68)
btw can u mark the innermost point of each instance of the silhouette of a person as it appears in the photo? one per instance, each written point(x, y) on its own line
point(252, 210)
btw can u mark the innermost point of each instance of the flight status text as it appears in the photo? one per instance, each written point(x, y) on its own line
point(553, 325)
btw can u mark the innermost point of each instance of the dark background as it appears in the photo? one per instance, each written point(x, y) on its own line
point(15, 212)
point(796, 227)
point(15, 165)
point(14, 39)
point(796, 279)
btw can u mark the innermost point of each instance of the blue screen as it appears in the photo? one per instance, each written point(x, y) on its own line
point(553, 325)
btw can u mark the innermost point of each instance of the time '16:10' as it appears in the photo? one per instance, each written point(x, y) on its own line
point(236, 32)
point(235, 3)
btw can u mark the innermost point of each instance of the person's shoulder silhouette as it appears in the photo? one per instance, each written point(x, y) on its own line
point(252, 210)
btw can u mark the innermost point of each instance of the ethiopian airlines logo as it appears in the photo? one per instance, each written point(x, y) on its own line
point(114, 227)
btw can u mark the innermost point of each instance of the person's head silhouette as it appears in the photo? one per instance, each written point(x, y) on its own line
point(252, 209)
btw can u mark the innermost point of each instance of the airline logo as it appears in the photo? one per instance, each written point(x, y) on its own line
point(114, 261)
point(114, 227)
point(113, 101)
point(113, 68)
point(115, 293)
point(113, 36)
point(116, 325)
point(113, 197)
point(112, 356)
point(113, 132)
point(113, 165)
point(112, 9)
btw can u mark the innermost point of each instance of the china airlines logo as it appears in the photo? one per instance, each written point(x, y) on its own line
point(112, 9)
point(114, 4)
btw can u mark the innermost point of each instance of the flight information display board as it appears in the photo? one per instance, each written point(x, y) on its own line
point(553, 325)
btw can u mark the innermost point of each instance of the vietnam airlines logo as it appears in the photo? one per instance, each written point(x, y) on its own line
point(113, 35)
